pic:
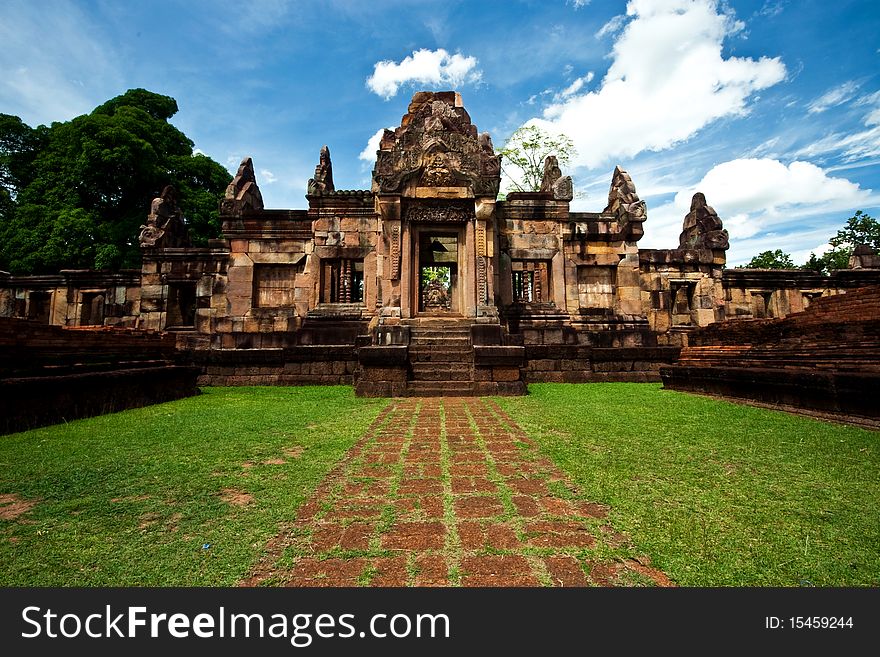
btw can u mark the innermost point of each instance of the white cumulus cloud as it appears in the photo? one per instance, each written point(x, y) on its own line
point(267, 176)
point(613, 26)
point(667, 80)
point(435, 68)
point(756, 196)
point(369, 152)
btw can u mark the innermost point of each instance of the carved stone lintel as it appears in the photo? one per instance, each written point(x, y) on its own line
point(437, 213)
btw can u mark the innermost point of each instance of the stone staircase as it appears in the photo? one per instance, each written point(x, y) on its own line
point(441, 358)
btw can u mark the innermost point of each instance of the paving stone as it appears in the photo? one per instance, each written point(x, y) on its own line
point(472, 485)
point(435, 466)
point(432, 570)
point(357, 536)
point(390, 571)
point(329, 572)
point(415, 536)
point(480, 506)
point(526, 506)
point(565, 571)
point(478, 535)
point(492, 570)
point(420, 486)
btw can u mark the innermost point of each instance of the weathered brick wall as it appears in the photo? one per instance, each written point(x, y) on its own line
point(50, 374)
point(298, 365)
point(31, 349)
point(825, 358)
point(769, 293)
point(73, 297)
point(577, 364)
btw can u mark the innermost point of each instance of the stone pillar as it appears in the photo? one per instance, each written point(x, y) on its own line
point(406, 272)
point(468, 272)
point(485, 293)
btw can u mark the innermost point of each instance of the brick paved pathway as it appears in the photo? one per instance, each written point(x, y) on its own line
point(448, 492)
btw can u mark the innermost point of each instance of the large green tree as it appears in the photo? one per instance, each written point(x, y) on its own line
point(74, 194)
point(771, 260)
point(859, 229)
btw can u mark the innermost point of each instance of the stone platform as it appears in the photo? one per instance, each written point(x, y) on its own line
point(49, 374)
point(824, 359)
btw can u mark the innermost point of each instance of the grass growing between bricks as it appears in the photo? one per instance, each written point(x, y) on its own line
point(716, 493)
point(184, 493)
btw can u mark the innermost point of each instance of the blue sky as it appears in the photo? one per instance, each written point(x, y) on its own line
point(769, 107)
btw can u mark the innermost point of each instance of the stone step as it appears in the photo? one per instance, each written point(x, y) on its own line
point(441, 372)
point(440, 356)
point(440, 342)
point(433, 334)
point(420, 322)
point(439, 389)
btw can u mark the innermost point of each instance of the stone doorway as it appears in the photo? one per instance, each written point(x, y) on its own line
point(438, 273)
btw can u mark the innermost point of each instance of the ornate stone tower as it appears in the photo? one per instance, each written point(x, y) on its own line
point(436, 180)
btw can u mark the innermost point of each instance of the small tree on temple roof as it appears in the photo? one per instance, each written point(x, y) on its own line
point(524, 153)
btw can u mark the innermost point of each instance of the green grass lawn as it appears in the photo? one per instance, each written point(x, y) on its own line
point(718, 494)
point(153, 496)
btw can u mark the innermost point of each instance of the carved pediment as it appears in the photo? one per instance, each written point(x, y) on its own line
point(436, 146)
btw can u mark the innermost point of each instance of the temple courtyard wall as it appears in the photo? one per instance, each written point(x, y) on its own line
point(50, 374)
point(428, 283)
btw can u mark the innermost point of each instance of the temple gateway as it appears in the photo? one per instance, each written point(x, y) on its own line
point(427, 283)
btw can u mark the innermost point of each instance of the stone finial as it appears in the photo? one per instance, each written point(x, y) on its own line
point(243, 192)
point(864, 257)
point(625, 205)
point(164, 227)
point(322, 183)
point(553, 181)
point(490, 163)
point(552, 173)
point(702, 228)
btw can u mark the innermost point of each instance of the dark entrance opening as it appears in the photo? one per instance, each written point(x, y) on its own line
point(438, 273)
point(38, 307)
point(92, 309)
point(181, 305)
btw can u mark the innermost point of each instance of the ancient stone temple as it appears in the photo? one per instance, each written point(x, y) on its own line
point(426, 283)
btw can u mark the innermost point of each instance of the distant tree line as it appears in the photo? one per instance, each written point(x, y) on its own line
point(74, 194)
point(859, 229)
